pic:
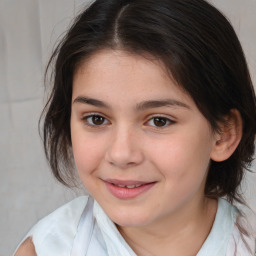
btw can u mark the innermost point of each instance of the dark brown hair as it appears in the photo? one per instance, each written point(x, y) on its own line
point(198, 47)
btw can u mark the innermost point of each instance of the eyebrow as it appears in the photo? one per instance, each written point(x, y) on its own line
point(91, 101)
point(139, 107)
point(160, 103)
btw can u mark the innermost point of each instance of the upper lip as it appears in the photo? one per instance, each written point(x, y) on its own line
point(127, 182)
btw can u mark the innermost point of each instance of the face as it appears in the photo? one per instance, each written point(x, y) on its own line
point(141, 146)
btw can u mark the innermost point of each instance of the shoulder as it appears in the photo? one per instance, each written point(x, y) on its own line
point(71, 211)
point(27, 248)
point(241, 244)
point(243, 238)
point(54, 234)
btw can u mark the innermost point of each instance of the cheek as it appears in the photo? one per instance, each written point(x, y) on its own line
point(87, 158)
point(87, 150)
point(182, 153)
point(183, 160)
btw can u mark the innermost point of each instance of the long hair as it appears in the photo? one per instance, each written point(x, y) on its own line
point(198, 47)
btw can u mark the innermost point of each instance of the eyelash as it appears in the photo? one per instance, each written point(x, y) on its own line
point(91, 124)
point(166, 121)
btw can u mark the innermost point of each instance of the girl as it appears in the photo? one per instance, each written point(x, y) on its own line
point(153, 103)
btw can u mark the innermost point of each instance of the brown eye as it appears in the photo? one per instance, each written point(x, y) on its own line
point(95, 120)
point(160, 121)
point(98, 120)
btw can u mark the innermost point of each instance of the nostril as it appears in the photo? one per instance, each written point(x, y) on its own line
point(122, 164)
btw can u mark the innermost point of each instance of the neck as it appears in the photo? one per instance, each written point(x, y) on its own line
point(191, 224)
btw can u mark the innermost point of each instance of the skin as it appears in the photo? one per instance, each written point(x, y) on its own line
point(127, 142)
point(27, 248)
point(128, 145)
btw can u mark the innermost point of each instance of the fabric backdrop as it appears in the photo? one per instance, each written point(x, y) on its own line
point(28, 31)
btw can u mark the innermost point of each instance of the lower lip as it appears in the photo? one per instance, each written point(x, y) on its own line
point(128, 193)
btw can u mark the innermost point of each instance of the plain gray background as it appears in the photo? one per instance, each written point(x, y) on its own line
point(28, 31)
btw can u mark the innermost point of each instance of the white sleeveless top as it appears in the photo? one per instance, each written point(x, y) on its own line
point(81, 228)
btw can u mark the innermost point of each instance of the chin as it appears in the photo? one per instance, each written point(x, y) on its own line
point(128, 219)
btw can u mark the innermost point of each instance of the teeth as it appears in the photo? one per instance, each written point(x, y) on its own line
point(131, 186)
point(121, 186)
point(128, 186)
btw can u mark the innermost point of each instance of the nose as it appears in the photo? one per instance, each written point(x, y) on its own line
point(124, 149)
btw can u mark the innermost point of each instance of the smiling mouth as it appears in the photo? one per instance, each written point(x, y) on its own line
point(127, 189)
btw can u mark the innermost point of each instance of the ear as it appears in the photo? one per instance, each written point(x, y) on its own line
point(229, 136)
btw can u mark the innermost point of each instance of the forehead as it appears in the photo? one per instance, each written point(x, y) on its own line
point(106, 59)
point(115, 72)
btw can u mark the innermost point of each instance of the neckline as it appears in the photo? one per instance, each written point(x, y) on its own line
point(217, 241)
point(215, 244)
